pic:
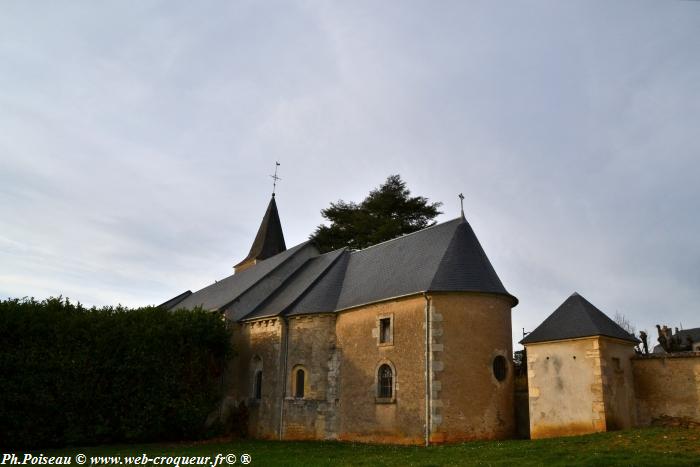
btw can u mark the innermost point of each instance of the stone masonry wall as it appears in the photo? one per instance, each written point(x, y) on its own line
point(468, 331)
point(618, 383)
point(565, 383)
point(252, 341)
point(362, 417)
point(667, 388)
point(312, 347)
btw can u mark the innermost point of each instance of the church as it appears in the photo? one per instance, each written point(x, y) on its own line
point(407, 341)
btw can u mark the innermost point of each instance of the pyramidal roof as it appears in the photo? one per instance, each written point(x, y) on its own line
point(269, 240)
point(577, 317)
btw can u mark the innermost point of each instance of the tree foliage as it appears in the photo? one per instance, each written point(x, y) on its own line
point(387, 212)
point(72, 375)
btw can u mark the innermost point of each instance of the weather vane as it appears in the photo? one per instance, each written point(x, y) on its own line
point(275, 178)
point(461, 202)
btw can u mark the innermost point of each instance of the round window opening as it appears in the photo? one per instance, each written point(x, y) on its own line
point(499, 367)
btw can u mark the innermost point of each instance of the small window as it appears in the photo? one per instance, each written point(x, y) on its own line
point(616, 364)
point(385, 382)
point(299, 384)
point(385, 330)
point(257, 385)
point(499, 367)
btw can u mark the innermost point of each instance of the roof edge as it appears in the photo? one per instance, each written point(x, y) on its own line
point(288, 280)
point(175, 300)
point(631, 340)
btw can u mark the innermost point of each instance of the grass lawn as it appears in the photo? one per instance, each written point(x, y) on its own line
point(648, 446)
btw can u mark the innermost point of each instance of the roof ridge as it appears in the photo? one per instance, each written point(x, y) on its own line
point(408, 234)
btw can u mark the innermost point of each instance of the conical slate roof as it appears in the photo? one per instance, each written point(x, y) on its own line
point(269, 240)
point(577, 317)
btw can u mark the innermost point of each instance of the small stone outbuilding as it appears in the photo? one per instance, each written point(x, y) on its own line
point(580, 376)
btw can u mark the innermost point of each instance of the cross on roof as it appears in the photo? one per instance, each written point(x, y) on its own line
point(461, 202)
point(275, 178)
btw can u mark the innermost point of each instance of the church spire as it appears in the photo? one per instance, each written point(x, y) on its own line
point(268, 242)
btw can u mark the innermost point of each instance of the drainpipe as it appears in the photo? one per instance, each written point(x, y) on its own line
point(428, 373)
point(284, 323)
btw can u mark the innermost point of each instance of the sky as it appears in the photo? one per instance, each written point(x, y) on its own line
point(137, 140)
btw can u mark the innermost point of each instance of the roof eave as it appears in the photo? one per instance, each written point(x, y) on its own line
point(631, 340)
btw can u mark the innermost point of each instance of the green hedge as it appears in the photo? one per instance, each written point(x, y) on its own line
point(71, 375)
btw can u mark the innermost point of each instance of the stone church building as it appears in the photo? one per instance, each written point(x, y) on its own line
point(407, 341)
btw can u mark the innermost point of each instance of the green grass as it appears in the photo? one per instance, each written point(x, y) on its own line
point(648, 446)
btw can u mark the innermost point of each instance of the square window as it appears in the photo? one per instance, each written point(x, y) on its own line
point(385, 330)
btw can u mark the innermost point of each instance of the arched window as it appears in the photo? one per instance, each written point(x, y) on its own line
point(299, 383)
point(256, 369)
point(257, 385)
point(385, 382)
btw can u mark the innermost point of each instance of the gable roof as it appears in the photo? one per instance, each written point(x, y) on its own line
point(175, 300)
point(292, 290)
point(225, 291)
point(269, 240)
point(577, 317)
point(442, 258)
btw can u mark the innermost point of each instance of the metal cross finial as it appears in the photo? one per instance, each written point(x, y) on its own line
point(461, 202)
point(275, 178)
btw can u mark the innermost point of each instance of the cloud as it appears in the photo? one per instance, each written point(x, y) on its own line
point(136, 142)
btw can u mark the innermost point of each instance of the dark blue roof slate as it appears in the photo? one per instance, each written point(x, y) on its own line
point(175, 300)
point(292, 290)
point(444, 257)
point(574, 318)
point(402, 266)
point(465, 266)
point(323, 296)
point(223, 292)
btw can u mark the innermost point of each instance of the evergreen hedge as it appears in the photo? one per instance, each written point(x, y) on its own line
point(73, 376)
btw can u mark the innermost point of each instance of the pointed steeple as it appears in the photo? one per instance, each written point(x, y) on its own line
point(269, 240)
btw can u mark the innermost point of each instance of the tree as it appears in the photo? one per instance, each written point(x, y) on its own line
point(624, 323)
point(387, 212)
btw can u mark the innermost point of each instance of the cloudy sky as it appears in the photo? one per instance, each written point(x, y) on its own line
point(137, 139)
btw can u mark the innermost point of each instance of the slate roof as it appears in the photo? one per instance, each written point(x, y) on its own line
point(296, 286)
point(269, 240)
point(221, 293)
point(175, 300)
point(577, 317)
point(444, 257)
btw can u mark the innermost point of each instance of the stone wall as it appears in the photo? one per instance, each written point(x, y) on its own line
point(362, 417)
point(565, 387)
point(667, 388)
point(618, 384)
point(312, 347)
point(468, 332)
point(342, 353)
point(257, 345)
